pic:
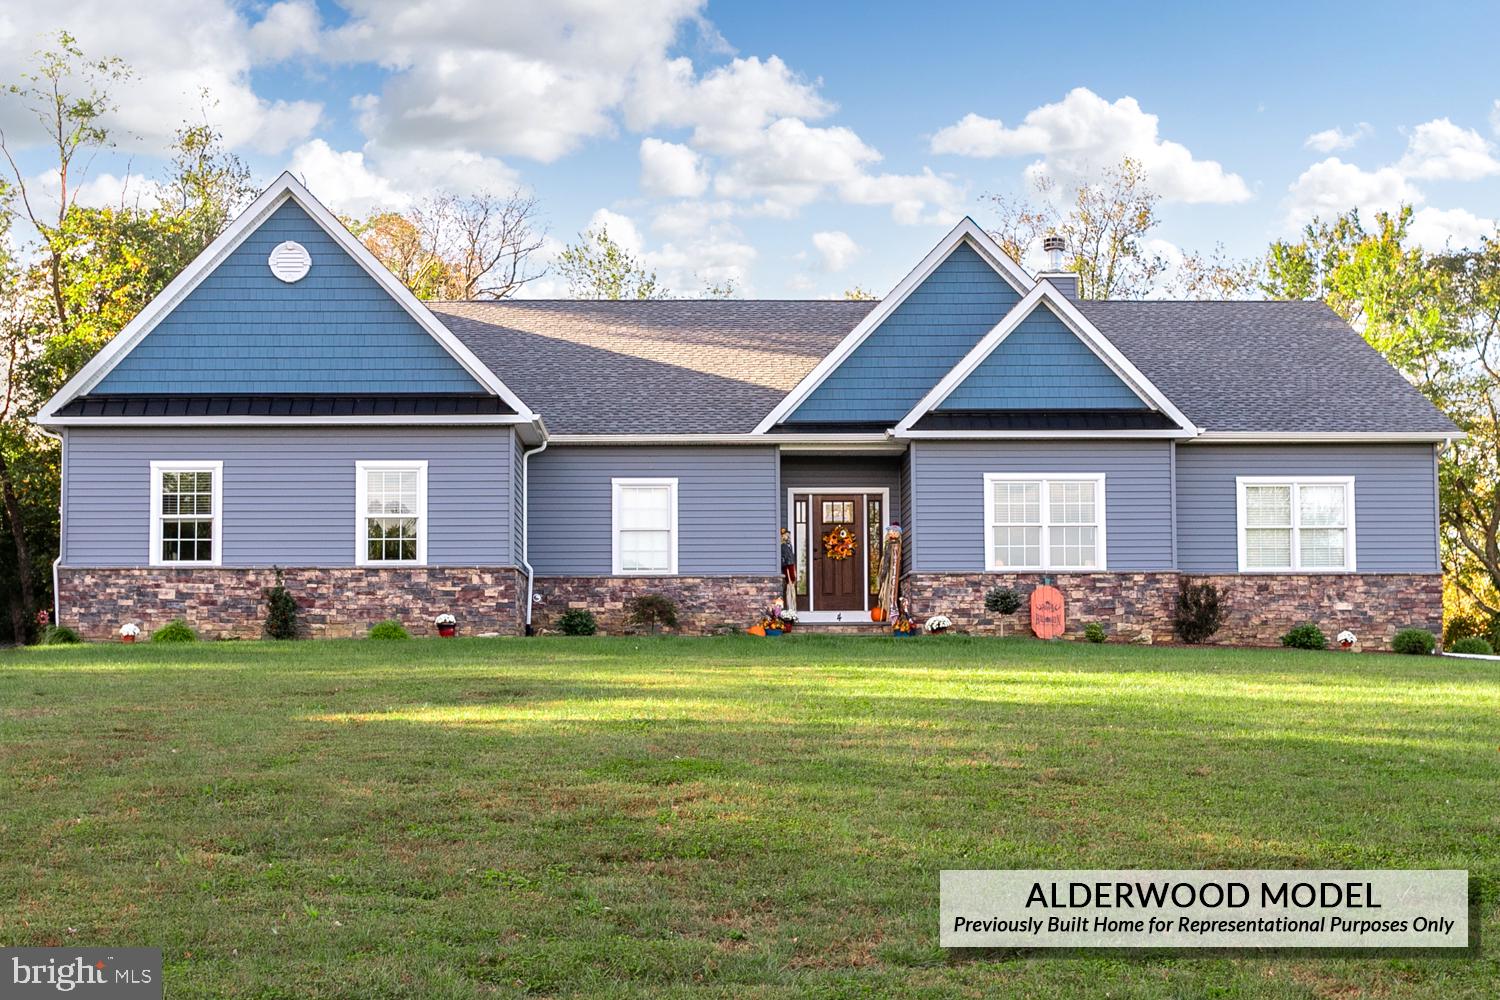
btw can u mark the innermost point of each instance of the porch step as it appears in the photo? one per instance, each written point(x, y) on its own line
point(865, 627)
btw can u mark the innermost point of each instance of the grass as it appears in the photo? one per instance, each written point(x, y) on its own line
point(729, 817)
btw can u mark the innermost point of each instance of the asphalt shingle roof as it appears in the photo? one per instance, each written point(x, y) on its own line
point(716, 366)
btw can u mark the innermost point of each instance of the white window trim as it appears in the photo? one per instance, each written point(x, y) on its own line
point(157, 468)
point(614, 525)
point(1240, 482)
point(1101, 541)
point(361, 501)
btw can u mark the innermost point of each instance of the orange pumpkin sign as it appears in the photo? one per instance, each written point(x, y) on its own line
point(1047, 612)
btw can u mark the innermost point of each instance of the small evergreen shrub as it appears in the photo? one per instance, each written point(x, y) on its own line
point(1305, 636)
point(175, 631)
point(1002, 600)
point(390, 629)
point(1094, 632)
point(653, 610)
point(59, 635)
point(1466, 626)
point(1198, 611)
point(1414, 642)
point(281, 611)
point(577, 621)
point(1473, 644)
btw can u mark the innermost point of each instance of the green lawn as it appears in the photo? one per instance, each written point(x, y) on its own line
point(711, 817)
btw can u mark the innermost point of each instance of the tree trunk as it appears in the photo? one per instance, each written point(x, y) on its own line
point(23, 551)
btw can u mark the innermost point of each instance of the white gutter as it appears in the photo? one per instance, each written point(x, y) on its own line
point(62, 521)
point(526, 524)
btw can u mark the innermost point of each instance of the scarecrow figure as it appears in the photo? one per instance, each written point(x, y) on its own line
point(890, 572)
point(789, 570)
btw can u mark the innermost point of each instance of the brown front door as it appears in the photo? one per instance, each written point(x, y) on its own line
point(838, 583)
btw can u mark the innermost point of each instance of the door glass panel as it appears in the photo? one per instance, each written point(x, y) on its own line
point(800, 534)
point(875, 536)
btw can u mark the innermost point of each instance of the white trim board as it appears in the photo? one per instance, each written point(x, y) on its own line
point(1046, 479)
point(285, 188)
point(615, 483)
point(967, 231)
point(215, 466)
point(362, 467)
point(1045, 293)
point(791, 525)
point(1351, 555)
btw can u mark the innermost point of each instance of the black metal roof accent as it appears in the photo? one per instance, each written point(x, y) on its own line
point(1044, 420)
point(831, 427)
point(285, 405)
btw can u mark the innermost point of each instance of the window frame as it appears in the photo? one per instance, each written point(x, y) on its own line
point(158, 468)
point(616, 484)
point(362, 469)
point(1296, 482)
point(1045, 479)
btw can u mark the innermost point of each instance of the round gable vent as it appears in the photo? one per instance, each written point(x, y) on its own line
point(290, 261)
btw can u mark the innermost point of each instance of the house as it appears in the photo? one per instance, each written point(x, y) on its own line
point(286, 403)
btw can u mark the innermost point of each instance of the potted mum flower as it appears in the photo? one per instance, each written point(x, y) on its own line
point(773, 621)
point(938, 624)
point(1347, 639)
point(446, 625)
point(129, 631)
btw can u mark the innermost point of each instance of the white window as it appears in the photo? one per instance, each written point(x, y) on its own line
point(390, 513)
point(185, 521)
point(1296, 525)
point(1044, 522)
point(645, 526)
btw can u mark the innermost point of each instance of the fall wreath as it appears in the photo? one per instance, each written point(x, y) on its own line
point(838, 543)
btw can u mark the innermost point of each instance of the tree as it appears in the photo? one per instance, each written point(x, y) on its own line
point(860, 293)
point(599, 268)
point(479, 246)
point(726, 289)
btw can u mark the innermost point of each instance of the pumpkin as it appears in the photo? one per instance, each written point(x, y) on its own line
point(877, 614)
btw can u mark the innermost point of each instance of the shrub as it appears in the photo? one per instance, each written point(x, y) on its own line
point(1467, 626)
point(1305, 636)
point(1002, 600)
point(577, 621)
point(390, 629)
point(1473, 644)
point(1414, 642)
point(1094, 632)
point(281, 611)
point(59, 635)
point(1198, 612)
point(175, 631)
point(654, 610)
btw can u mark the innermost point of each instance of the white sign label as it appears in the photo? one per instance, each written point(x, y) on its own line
point(1122, 908)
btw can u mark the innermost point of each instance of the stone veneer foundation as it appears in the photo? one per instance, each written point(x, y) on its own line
point(222, 602)
point(1138, 606)
point(705, 604)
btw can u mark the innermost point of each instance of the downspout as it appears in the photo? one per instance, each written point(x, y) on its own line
point(62, 515)
point(526, 527)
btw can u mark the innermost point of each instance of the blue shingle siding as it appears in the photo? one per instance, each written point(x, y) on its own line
point(243, 330)
point(916, 345)
point(289, 492)
point(1042, 365)
point(951, 511)
point(1395, 500)
point(726, 507)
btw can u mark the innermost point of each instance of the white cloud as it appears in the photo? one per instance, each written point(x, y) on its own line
point(728, 107)
point(1451, 228)
point(835, 248)
point(343, 181)
point(1082, 134)
point(913, 198)
point(621, 228)
point(691, 258)
point(358, 182)
point(671, 171)
point(1332, 186)
point(178, 50)
point(1331, 139)
point(792, 163)
point(1495, 117)
point(1441, 150)
point(289, 28)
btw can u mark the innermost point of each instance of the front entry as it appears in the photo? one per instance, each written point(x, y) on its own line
point(838, 537)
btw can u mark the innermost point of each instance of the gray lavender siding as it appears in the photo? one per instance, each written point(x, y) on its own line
point(289, 492)
point(726, 507)
point(1395, 500)
point(876, 471)
point(949, 477)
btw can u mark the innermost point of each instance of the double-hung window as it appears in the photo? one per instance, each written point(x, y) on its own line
point(1295, 525)
point(185, 519)
point(1053, 522)
point(644, 526)
point(390, 513)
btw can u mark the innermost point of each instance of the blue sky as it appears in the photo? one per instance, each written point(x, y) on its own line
point(804, 148)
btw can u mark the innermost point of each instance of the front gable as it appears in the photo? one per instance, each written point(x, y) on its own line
point(1042, 365)
point(915, 345)
point(243, 330)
